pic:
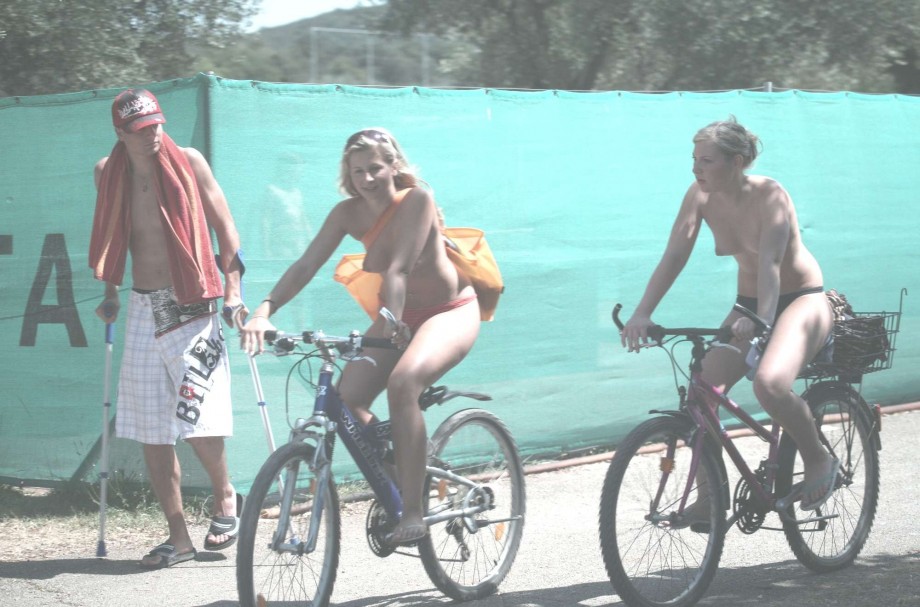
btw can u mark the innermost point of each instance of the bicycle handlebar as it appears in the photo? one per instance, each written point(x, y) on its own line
point(285, 342)
point(759, 323)
point(722, 334)
point(655, 332)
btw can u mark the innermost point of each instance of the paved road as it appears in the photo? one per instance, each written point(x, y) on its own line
point(559, 563)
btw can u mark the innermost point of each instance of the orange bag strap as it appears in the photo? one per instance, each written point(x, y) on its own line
point(371, 235)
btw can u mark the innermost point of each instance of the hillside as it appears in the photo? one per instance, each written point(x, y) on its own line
point(341, 47)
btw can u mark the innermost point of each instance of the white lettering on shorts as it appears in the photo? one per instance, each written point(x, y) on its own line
point(202, 358)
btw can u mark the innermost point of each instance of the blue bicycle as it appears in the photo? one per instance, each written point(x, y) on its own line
point(290, 526)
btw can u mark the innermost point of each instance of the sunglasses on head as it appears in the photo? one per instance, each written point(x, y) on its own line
point(369, 134)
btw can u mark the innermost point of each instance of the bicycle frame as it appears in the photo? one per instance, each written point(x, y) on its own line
point(331, 414)
point(364, 443)
point(661, 550)
point(701, 403)
point(707, 401)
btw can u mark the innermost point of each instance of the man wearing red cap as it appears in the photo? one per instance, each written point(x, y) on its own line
point(159, 202)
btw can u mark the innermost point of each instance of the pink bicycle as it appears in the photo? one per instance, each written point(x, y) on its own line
point(656, 554)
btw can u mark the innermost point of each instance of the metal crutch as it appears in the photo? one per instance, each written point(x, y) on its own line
point(263, 406)
point(104, 465)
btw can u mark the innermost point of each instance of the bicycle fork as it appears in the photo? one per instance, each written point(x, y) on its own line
point(285, 539)
point(666, 467)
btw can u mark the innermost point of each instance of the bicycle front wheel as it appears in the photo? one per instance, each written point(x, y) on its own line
point(652, 557)
point(274, 561)
point(468, 557)
point(845, 426)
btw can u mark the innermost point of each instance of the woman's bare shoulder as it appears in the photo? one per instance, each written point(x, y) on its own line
point(765, 186)
point(694, 199)
point(771, 198)
point(347, 207)
point(418, 196)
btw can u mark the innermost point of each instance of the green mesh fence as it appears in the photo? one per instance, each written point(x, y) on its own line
point(576, 192)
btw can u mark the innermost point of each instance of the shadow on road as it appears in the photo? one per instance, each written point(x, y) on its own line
point(50, 568)
point(874, 581)
point(889, 581)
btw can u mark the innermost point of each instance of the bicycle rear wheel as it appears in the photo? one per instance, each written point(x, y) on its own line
point(287, 576)
point(846, 428)
point(653, 559)
point(468, 557)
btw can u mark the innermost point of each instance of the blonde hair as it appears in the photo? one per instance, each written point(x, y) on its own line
point(731, 138)
point(382, 141)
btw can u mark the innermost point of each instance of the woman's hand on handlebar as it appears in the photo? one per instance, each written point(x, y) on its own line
point(399, 332)
point(252, 334)
point(745, 329)
point(635, 332)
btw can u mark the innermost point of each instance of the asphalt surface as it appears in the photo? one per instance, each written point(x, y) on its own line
point(559, 563)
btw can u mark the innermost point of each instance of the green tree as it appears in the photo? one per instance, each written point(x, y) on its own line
point(668, 45)
point(53, 46)
point(723, 44)
point(521, 43)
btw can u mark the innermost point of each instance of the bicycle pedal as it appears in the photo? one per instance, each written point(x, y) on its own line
point(794, 495)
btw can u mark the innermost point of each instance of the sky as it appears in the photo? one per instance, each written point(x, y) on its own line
point(280, 12)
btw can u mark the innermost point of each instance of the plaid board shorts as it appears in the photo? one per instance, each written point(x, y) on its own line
point(175, 373)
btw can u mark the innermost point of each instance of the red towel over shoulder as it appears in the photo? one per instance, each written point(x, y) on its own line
point(191, 258)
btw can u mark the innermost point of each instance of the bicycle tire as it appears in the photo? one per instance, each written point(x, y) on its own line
point(845, 422)
point(649, 562)
point(468, 565)
point(265, 576)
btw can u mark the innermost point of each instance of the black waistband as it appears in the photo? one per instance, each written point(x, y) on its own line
point(782, 303)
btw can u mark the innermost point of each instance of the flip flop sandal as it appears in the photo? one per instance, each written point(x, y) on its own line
point(412, 538)
point(831, 479)
point(168, 556)
point(225, 525)
point(696, 517)
point(696, 526)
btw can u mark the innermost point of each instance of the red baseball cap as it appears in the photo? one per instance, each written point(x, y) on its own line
point(134, 109)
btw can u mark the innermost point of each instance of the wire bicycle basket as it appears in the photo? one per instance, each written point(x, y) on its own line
point(864, 342)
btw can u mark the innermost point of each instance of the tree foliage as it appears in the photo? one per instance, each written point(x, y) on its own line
point(50, 46)
point(667, 45)
point(641, 45)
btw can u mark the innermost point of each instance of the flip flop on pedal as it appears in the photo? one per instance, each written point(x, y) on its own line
point(829, 479)
point(696, 517)
point(225, 525)
point(800, 490)
point(407, 536)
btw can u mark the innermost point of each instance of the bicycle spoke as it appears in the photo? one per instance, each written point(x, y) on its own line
point(287, 573)
point(465, 565)
point(845, 429)
point(650, 561)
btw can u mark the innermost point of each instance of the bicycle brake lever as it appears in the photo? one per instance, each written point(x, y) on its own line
point(283, 345)
point(388, 316)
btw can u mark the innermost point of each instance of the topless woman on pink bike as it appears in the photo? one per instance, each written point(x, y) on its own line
point(752, 218)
